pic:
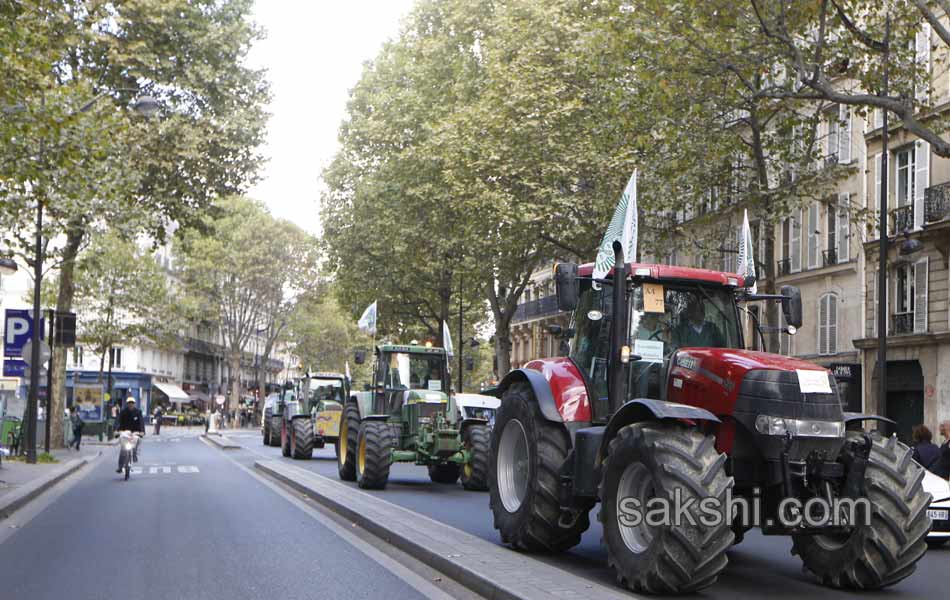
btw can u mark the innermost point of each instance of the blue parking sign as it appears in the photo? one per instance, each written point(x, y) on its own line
point(18, 330)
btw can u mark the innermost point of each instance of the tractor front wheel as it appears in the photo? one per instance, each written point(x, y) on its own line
point(885, 551)
point(347, 443)
point(477, 440)
point(302, 447)
point(648, 461)
point(527, 452)
point(444, 473)
point(374, 455)
point(275, 425)
point(284, 439)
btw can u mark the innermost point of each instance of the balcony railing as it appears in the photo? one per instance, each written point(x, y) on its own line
point(937, 203)
point(831, 160)
point(902, 323)
point(829, 257)
point(784, 266)
point(534, 309)
point(902, 219)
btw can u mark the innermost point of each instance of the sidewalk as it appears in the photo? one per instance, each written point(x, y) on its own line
point(21, 482)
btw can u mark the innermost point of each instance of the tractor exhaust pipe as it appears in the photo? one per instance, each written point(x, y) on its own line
point(616, 369)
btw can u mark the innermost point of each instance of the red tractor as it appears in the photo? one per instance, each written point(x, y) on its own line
point(688, 440)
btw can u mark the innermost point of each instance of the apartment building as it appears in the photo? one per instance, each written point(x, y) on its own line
point(537, 311)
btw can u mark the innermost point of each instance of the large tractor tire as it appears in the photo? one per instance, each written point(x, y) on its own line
point(445, 473)
point(527, 451)
point(301, 440)
point(886, 551)
point(347, 443)
point(477, 440)
point(374, 455)
point(275, 426)
point(660, 460)
point(266, 428)
point(284, 439)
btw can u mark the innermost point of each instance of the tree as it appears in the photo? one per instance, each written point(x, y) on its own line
point(75, 147)
point(235, 266)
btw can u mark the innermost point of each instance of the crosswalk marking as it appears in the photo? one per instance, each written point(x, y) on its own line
point(165, 470)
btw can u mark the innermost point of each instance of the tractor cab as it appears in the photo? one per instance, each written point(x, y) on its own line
point(410, 375)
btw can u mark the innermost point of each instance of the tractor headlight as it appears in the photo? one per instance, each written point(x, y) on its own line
point(425, 420)
point(768, 425)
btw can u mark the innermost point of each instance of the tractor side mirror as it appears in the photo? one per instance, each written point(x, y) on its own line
point(555, 329)
point(749, 280)
point(566, 286)
point(469, 363)
point(359, 357)
point(792, 305)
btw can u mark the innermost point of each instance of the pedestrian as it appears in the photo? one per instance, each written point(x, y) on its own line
point(925, 451)
point(77, 424)
point(941, 466)
point(115, 417)
point(158, 419)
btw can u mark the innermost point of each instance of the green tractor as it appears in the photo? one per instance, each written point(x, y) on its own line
point(309, 412)
point(407, 416)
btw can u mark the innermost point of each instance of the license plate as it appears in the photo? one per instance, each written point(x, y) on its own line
point(938, 515)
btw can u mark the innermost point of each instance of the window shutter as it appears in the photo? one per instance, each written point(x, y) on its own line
point(843, 239)
point(921, 179)
point(833, 136)
point(922, 46)
point(823, 325)
point(844, 135)
point(813, 239)
point(832, 312)
point(872, 301)
point(878, 118)
point(795, 246)
point(920, 295)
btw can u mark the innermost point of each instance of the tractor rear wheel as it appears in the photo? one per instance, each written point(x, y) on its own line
point(374, 454)
point(302, 447)
point(527, 452)
point(284, 439)
point(347, 443)
point(647, 461)
point(886, 551)
point(266, 428)
point(477, 440)
point(275, 424)
point(444, 473)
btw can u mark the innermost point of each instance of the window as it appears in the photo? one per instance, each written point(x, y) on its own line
point(831, 142)
point(904, 300)
point(828, 324)
point(904, 163)
point(831, 234)
point(115, 357)
point(843, 221)
point(813, 236)
point(77, 355)
point(795, 242)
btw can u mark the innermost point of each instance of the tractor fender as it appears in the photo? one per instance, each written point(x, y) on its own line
point(851, 418)
point(466, 423)
point(647, 409)
point(540, 387)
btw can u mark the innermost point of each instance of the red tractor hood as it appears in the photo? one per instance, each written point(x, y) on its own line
point(726, 361)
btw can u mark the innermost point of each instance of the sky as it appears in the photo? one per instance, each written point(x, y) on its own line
point(314, 54)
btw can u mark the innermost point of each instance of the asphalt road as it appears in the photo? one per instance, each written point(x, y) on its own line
point(192, 525)
point(759, 565)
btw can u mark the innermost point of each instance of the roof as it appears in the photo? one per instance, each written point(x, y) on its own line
point(411, 348)
point(670, 273)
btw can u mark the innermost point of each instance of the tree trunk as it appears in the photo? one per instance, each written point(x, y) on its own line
point(234, 364)
point(502, 351)
point(64, 302)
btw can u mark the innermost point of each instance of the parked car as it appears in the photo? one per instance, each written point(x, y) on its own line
point(939, 510)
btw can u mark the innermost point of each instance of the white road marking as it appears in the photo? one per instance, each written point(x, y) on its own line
point(165, 469)
point(188, 469)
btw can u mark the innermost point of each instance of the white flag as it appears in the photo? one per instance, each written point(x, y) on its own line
point(367, 322)
point(447, 339)
point(623, 227)
point(746, 258)
point(347, 366)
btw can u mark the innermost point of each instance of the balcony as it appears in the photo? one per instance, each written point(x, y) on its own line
point(902, 323)
point(902, 219)
point(534, 309)
point(831, 161)
point(784, 266)
point(829, 257)
point(937, 203)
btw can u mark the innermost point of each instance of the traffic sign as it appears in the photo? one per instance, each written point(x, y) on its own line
point(45, 352)
point(18, 330)
point(13, 367)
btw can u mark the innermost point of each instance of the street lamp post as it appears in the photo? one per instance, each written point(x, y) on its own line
point(145, 106)
point(883, 241)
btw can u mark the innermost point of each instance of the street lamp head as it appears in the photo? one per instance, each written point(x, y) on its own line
point(7, 266)
point(146, 106)
point(910, 246)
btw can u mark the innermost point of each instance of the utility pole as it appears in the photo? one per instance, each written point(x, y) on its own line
point(883, 242)
point(50, 315)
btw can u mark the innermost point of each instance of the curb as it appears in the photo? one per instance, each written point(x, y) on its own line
point(221, 441)
point(23, 495)
point(485, 568)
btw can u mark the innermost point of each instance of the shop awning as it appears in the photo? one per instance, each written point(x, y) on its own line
point(174, 393)
point(196, 396)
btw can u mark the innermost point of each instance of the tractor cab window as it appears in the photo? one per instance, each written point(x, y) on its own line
point(410, 371)
point(326, 390)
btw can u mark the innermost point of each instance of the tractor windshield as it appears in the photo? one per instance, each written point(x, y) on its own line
point(415, 371)
point(323, 390)
point(662, 318)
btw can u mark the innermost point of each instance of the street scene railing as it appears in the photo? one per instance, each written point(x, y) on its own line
point(829, 257)
point(533, 309)
point(902, 323)
point(937, 203)
point(902, 219)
